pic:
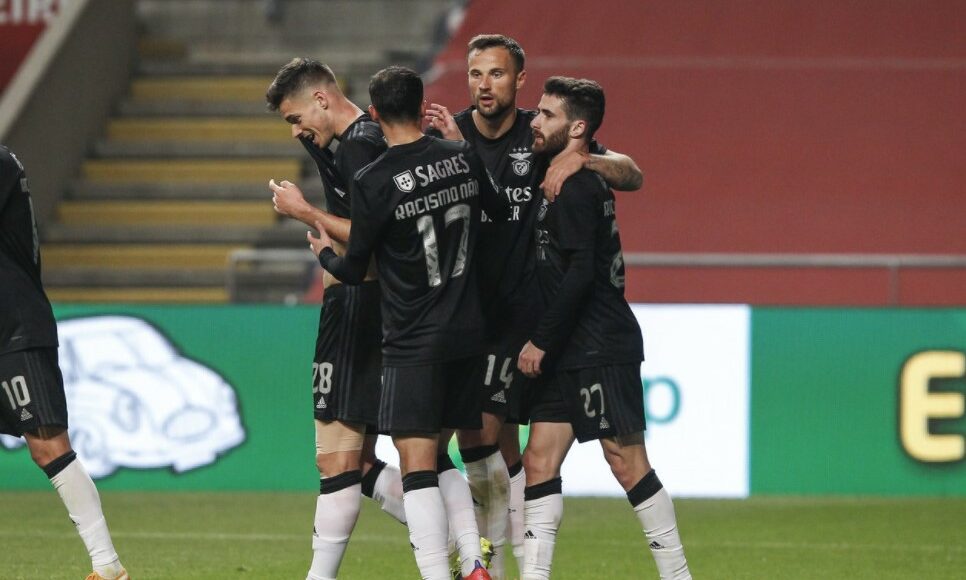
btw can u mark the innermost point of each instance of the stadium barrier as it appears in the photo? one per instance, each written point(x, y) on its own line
point(740, 400)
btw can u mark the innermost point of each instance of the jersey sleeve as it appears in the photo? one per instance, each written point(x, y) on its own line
point(10, 174)
point(561, 314)
point(315, 152)
point(370, 216)
point(354, 154)
point(576, 215)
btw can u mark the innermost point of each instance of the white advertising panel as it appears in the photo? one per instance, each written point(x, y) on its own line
point(696, 382)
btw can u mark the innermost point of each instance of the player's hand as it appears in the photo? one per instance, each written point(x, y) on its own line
point(529, 360)
point(288, 199)
point(562, 167)
point(442, 120)
point(317, 244)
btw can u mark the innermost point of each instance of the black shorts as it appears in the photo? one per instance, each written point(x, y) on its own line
point(598, 402)
point(429, 398)
point(502, 382)
point(31, 391)
point(347, 368)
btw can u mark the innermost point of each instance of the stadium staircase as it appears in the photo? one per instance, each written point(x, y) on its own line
point(172, 205)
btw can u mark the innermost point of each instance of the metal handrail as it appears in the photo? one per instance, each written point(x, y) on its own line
point(259, 255)
point(731, 260)
point(890, 262)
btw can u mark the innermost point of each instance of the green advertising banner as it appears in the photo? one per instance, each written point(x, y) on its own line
point(188, 398)
point(858, 401)
point(843, 401)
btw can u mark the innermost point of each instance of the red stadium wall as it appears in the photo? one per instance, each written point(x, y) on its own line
point(21, 22)
point(826, 126)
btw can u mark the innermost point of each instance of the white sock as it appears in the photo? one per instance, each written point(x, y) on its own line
point(336, 513)
point(542, 517)
point(462, 520)
point(77, 491)
point(490, 485)
point(515, 520)
point(387, 490)
point(426, 518)
point(656, 514)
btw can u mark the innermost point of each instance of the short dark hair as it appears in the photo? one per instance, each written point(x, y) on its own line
point(396, 92)
point(582, 99)
point(298, 74)
point(485, 41)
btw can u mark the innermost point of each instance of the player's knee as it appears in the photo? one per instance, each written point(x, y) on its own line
point(539, 466)
point(47, 444)
point(627, 473)
point(332, 464)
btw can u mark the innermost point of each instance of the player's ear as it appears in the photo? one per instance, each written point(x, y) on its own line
point(422, 109)
point(322, 98)
point(373, 113)
point(521, 78)
point(577, 129)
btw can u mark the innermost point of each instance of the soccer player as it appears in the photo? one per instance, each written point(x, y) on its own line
point(418, 208)
point(500, 133)
point(587, 346)
point(32, 400)
point(348, 360)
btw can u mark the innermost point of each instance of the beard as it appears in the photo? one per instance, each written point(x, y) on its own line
point(496, 110)
point(552, 144)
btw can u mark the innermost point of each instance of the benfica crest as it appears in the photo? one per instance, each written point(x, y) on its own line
point(521, 163)
point(405, 181)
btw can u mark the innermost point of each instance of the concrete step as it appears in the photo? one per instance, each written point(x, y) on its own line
point(216, 295)
point(291, 276)
point(258, 130)
point(139, 256)
point(254, 190)
point(196, 149)
point(129, 108)
point(207, 171)
point(128, 277)
point(203, 88)
point(172, 213)
point(277, 236)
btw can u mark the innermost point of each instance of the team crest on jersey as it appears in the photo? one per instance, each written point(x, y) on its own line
point(521, 163)
point(405, 181)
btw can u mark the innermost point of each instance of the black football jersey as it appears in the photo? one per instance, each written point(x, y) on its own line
point(600, 328)
point(359, 144)
point(26, 318)
point(418, 207)
point(506, 257)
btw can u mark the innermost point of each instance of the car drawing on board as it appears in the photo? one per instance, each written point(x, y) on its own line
point(135, 401)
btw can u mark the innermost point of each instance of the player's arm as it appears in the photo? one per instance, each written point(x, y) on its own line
point(618, 170)
point(441, 123)
point(560, 317)
point(369, 222)
point(288, 200)
point(9, 174)
point(577, 228)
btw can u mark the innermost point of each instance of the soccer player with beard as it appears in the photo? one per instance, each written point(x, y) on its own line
point(418, 208)
point(32, 399)
point(348, 360)
point(500, 133)
point(587, 348)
